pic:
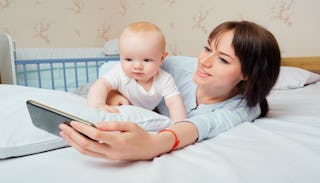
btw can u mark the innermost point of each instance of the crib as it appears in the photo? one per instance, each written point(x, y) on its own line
point(51, 68)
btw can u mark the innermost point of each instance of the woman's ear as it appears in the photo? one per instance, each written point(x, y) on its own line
point(244, 78)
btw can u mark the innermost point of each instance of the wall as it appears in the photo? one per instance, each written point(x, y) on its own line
point(186, 23)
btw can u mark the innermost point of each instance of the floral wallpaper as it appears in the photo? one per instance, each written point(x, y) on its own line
point(186, 23)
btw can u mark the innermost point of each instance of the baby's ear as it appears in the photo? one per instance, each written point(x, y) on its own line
point(164, 55)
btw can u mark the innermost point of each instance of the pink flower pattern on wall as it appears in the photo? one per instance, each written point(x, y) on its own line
point(4, 4)
point(281, 11)
point(174, 49)
point(186, 23)
point(103, 32)
point(170, 2)
point(41, 30)
point(77, 6)
point(200, 20)
point(123, 7)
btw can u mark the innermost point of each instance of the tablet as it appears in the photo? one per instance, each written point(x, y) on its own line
point(48, 118)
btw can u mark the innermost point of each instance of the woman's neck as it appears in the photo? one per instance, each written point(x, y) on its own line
point(208, 96)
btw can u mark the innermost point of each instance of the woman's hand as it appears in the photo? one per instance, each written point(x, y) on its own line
point(114, 140)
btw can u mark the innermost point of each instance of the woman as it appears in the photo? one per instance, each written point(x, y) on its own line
point(235, 72)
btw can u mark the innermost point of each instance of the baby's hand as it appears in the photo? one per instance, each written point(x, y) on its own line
point(116, 99)
point(108, 108)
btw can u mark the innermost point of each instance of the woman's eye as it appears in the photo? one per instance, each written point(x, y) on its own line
point(223, 60)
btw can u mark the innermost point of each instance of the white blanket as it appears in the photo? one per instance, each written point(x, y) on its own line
point(282, 147)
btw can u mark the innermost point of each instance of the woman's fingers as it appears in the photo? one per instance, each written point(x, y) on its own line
point(79, 148)
point(101, 135)
point(116, 126)
point(83, 144)
point(112, 140)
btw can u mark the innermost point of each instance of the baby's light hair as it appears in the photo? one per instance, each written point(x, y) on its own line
point(146, 27)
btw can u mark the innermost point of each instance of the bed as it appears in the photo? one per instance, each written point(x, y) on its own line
point(282, 147)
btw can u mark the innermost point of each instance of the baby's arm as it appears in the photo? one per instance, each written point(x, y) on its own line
point(176, 108)
point(98, 94)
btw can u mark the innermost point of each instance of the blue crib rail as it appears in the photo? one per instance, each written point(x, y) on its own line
point(69, 69)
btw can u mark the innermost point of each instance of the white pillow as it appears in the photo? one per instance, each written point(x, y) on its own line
point(111, 47)
point(19, 137)
point(106, 67)
point(294, 77)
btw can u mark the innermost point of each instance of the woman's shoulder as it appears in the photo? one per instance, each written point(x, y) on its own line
point(238, 104)
point(181, 68)
point(235, 102)
point(173, 64)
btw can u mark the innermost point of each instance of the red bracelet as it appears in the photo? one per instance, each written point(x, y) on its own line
point(177, 141)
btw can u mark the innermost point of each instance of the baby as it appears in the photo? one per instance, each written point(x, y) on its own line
point(139, 77)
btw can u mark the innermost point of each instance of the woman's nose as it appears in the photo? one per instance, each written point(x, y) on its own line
point(206, 61)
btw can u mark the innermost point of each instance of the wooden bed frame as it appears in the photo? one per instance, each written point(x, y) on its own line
point(308, 63)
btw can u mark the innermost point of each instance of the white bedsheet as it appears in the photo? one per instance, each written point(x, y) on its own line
point(283, 147)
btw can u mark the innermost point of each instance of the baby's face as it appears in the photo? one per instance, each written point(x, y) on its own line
point(141, 54)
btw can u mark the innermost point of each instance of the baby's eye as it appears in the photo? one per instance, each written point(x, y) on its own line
point(207, 49)
point(147, 60)
point(128, 59)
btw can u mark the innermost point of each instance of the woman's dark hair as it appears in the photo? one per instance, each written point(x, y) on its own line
point(260, 57)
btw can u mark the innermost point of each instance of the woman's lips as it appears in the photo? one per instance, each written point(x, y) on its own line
point(202, 73)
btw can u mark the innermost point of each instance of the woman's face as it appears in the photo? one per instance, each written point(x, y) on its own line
point(219, 69)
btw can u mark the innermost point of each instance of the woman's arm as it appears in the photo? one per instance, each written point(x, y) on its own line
point(126, 140)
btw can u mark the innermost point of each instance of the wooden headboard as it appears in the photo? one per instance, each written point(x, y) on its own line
point(308, 63)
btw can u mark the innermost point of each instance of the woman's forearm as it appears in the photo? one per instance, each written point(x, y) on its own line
point(186, 133)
